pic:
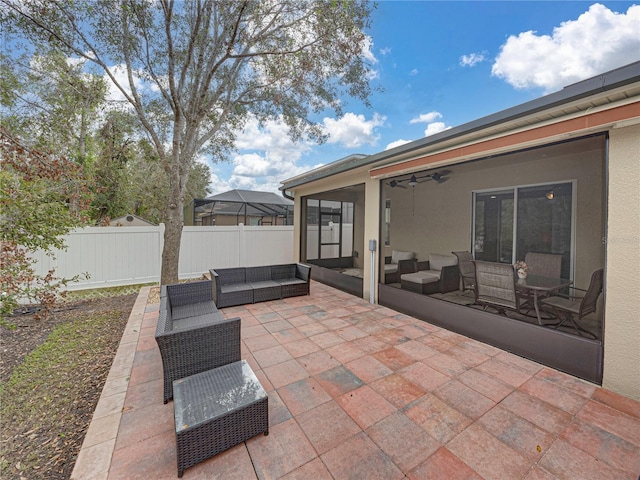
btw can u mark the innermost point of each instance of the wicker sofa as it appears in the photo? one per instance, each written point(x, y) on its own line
point(243, 285)
point(192, 334)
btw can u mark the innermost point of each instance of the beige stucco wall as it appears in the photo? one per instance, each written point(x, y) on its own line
point(366, 221)
point(622, 313)
point(436, 218)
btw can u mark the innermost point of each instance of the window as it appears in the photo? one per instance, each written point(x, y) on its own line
point(509, 223)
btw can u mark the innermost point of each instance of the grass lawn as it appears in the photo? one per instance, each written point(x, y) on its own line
point(48, 399)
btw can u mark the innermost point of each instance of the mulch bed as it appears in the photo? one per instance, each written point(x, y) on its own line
point(54, 455)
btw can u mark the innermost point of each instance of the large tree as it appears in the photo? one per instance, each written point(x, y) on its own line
point(195, 71)
point(51, 103)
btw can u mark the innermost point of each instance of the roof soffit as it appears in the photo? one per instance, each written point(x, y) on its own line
point(531, 122)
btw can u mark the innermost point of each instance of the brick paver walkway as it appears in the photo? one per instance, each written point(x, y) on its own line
point(359, 391)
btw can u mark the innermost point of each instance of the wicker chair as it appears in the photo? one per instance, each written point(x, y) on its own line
point(197, 338)
point(398, 264)
point(495, 286)
point(573, 309)
point(467, 270)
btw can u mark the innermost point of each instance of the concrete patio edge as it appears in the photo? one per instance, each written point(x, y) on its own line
point(94, 458)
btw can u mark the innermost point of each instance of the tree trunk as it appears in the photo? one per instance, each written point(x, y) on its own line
point(172, 233)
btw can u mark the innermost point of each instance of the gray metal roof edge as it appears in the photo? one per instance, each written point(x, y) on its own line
point(241, 198)
point(343, 164)
point(603, 82)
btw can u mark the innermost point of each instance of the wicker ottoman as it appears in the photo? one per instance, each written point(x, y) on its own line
point(215, 410)
point(422, 282)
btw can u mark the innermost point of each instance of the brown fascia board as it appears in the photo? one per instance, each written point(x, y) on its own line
point(607, 81)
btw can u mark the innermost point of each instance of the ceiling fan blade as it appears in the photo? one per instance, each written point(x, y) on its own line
point(441, 176)
point(394, 184)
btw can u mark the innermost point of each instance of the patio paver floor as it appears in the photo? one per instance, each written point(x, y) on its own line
point(361, 391)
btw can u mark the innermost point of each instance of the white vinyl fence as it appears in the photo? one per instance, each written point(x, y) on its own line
point(115, 256)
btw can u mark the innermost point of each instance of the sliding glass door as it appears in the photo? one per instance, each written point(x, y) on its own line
point(544, 222)
point(493, 241)
point(329, 229)
point(509, 223)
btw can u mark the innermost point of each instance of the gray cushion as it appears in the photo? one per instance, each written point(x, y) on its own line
point(397, 255)
point(437, 261)
point(421, 277)
point(236, 287)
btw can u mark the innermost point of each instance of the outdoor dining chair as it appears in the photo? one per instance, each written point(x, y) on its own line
point(467, 270)
point(495, 286)
point(573, 309)
point(544, 264)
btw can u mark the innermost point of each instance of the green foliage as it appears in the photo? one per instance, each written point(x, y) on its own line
point(196, 71)
point(51, 102)
point(42, 197)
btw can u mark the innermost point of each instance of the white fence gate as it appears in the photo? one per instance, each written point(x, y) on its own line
point(114, 256)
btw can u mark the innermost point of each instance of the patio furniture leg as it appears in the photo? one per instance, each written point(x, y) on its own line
point(536, 306)
point(578, 328)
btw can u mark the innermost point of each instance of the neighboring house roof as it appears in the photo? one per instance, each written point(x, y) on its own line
point(130, 220)
point(573, 99)
point(249, 196)
point(233, 203)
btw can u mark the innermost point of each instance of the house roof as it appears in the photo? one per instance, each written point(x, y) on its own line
point(248, 196)
point(241, 202)
point(571, 99)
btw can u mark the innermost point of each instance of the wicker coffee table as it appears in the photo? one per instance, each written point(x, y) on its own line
point(217, 409)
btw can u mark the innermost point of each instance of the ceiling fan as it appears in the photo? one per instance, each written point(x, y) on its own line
point(439, 177)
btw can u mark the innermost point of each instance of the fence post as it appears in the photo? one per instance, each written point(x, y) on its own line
point(160, 249)
point(242, 260)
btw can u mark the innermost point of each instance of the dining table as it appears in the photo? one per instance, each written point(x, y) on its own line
point(539, 285)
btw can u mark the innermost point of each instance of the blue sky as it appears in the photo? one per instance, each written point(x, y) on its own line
point(442, 64)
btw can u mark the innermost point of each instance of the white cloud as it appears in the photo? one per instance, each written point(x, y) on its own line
point(353, 130)
point(114, 94)
point(471, 60)
point(367, 50)
point(265, 155)
point(397, 143)
point(598, 41)
point(370, 58)
point(252, 165)
point(426, 117)
point(435, 127)
point(385, 51)
point(413, 72)
point(261, 171)
point(218, 185)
